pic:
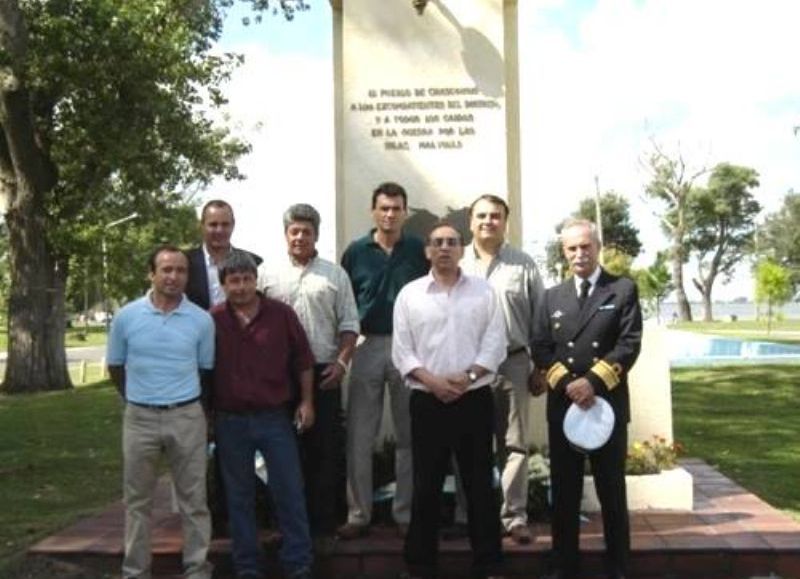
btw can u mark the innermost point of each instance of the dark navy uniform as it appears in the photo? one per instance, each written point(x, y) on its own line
point(600, 342)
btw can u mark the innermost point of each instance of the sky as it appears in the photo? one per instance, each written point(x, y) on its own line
point(600, 80)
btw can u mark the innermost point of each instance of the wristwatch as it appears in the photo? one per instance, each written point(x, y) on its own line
point(472, 375)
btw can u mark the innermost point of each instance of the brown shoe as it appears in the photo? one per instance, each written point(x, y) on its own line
point(520, 534)
point(350, 531)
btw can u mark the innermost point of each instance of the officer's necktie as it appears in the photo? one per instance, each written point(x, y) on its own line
point(585, 285)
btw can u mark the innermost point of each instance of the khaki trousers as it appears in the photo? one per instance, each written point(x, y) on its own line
point(180, 435)
point(372, 371)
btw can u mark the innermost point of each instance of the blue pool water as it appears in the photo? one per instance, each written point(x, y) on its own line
point(689, 349)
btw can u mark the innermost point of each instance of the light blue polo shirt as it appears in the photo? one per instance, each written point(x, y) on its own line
point(162, 352)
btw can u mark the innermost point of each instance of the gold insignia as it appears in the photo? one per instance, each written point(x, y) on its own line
point(556, 372)
point(610, 375)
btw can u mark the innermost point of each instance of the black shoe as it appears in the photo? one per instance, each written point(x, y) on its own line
point(454, 532)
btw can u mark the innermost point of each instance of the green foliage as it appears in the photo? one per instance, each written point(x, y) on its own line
point(619, 232)
point(773, 283)
point(654, 283)
point(122, 91)
point(743, 421)
point(779, 236)
point(773, 286)
point(722, 220)
point(128, 247)
point(616, 262)
point(621, 242)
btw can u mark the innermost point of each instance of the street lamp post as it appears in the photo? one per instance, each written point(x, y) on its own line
point(103, 249)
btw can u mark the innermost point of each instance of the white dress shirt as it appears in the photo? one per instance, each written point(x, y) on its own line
point(322, 296)
point(446, 330)
point(592, 279)
point(216, 295)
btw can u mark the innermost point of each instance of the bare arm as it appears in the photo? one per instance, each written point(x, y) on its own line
point(304, 416)
point(333, 374)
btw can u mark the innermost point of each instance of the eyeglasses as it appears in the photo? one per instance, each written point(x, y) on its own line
point(445, 241)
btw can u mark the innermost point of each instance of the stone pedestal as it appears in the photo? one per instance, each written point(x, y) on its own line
point(427, 100)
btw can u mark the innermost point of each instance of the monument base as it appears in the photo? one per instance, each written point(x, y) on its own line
point(667, 490)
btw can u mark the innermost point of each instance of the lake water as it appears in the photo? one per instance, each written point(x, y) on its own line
point(724, 310)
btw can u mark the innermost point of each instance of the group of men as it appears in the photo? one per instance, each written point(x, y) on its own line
point(460, 336)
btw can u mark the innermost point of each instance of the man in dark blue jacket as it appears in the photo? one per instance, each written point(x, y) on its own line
point(587, 338)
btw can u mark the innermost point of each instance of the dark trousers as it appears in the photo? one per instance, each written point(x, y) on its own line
point(566, 474)
point(463, 428)
point(322, 459)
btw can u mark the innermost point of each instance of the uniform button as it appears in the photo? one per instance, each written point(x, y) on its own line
point(570, 344)
point(574, 375)
point(570, 360)
point(595, 359)
point(595, 344)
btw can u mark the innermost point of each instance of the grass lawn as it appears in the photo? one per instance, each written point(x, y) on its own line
point(76, 337)
point(60, 459)
point(784, 331)
point(744, 420)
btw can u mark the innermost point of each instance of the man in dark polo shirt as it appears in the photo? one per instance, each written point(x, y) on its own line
point(261, 348)
point(379, 265)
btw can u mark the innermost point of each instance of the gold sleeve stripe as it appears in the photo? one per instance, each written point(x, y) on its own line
point(556, 372)
point(609, 374)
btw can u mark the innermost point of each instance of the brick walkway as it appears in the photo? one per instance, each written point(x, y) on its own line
point(729, 534)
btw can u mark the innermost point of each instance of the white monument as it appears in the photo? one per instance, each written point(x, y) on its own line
point(427, 95)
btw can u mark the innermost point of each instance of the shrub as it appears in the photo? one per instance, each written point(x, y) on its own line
point(652, 456)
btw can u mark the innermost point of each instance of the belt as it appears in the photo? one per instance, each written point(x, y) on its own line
point(512, 351)
point(165, 406)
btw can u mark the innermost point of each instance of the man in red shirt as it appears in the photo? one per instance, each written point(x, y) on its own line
point(261, 349)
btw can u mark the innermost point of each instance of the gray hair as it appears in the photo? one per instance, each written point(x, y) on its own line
point(580, 222)
point(238, 261)
point(302, 212)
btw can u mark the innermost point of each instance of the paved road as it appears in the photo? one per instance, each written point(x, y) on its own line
point(88, 353)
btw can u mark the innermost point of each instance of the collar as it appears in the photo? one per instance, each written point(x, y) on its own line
point(181, 307)
point(371, 237)
point(207, 256)
point(309, 263)
point(262, 299)
point(473, 250)
point(432, 284)
point(592, 279)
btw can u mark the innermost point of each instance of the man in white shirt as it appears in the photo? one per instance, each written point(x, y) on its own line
point(448, 341)
point(322, 296)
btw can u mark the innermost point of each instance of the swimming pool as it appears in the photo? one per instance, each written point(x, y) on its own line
point(691, 349)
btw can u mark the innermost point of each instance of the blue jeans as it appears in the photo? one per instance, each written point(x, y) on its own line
point(238, 436)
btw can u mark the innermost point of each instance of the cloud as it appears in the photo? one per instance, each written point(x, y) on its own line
point(598, 79)
point(282, 105)
point(716, 77)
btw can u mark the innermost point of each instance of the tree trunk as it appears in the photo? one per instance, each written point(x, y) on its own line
point(708, 314)
point(684, 309)
point(36, 357)
point(36, 316)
